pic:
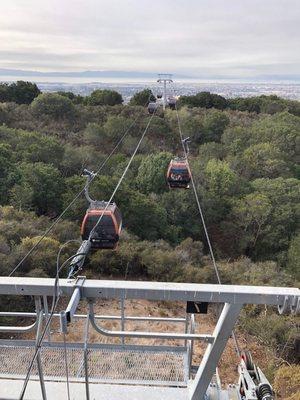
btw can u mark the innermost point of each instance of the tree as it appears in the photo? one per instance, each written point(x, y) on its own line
point(204, 100)
point(281, 220)
point(102, 97)
point(24, 92)
point(220, 184)
point(44, 259)
point(7, 171)
point(252, 212)
point(263, 160)
point(294, 256)
point(152, 173)
point(46, 185)
point(145, 217)
point(142, 98)
point(214, 124)
point(76, 98)
point(19, 92)
point(95, 134)
point(5, 93)
point(53, 105)
point(116, 126)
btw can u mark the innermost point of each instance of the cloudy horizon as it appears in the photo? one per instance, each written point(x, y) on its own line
point(196, 38)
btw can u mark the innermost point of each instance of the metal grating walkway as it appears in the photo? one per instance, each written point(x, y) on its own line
point(106, 364)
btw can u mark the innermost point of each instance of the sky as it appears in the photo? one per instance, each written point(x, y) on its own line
point(200, 38)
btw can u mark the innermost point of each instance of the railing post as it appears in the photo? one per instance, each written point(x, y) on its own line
point(46, 309)
point(86, 354)
point(122, 303)
point(40, 315)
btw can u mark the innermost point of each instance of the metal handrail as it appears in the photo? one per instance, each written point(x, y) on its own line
point(146, 335)
point(104, 317)
point(18, 329)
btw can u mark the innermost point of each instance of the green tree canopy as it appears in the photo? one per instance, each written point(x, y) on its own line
point(7, 171)
point(46, 185)
point(204, 100)
point(152, 173)
point(102, 97)
point(53, 105)
point(24, 92)
point(142, 98)
point(20, 92)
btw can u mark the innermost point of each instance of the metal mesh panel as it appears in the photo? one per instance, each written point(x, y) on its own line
point(104, 364)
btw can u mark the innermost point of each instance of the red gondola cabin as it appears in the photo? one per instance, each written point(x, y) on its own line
point(179, 174)
point(107, 232)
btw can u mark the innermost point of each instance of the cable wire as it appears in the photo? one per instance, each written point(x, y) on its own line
point(122, 177)
point(56, 295)
point(74, 199)
point(182, 139)
point(55, 300)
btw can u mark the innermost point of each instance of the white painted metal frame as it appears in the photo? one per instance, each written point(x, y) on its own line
point(233, 298)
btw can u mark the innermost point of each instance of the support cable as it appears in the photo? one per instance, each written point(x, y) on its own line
point(55, 300)
point(56, 294)
point(122, 177)
point(185, 151)
point(74, 199)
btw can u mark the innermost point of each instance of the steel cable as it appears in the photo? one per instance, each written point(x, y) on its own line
point(202, 216)
point(56, 295)
point(74, 199)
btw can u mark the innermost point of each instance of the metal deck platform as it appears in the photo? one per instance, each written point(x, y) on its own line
point(125, 371)
point(147, 365)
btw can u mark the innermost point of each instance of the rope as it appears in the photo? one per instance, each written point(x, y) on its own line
point(74, 199)
point(202, 217)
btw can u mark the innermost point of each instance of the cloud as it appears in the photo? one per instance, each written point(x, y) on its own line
point(200, 37)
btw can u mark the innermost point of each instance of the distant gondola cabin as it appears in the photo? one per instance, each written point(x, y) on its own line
point(172, 103)
point(152, 107)
point(107, 232)
point(179, 174)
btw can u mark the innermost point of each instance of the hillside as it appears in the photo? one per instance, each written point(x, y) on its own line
point(244, 155)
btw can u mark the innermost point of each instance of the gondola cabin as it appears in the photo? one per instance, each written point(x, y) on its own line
point(172, 103)
point(107, 232)
point(179, 174)
point(152, 107)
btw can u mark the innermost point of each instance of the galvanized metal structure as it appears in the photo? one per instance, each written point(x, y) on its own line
point(123, 370)
point(164, 79)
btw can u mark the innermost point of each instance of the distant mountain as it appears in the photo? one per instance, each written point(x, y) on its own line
point(83, 74)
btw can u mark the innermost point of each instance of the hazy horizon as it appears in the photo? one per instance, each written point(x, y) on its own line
point(211, 39)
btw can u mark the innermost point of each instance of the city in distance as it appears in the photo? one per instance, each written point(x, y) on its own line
point(129, 82)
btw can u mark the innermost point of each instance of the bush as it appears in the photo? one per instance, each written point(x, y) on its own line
point(53, 105)
point(104, 97)
point(287, 382)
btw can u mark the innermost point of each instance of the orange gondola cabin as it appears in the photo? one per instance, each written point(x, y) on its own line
point(107, 232)
point(179, 174)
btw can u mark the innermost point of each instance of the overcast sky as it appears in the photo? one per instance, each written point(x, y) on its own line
point(204, 38)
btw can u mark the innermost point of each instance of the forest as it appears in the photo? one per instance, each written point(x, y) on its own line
point(244, 155)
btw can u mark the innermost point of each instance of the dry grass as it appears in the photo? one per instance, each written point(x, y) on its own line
point(204, 324)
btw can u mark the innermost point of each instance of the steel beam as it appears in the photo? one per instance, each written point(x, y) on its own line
point(152, 291)
point(214, 351)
